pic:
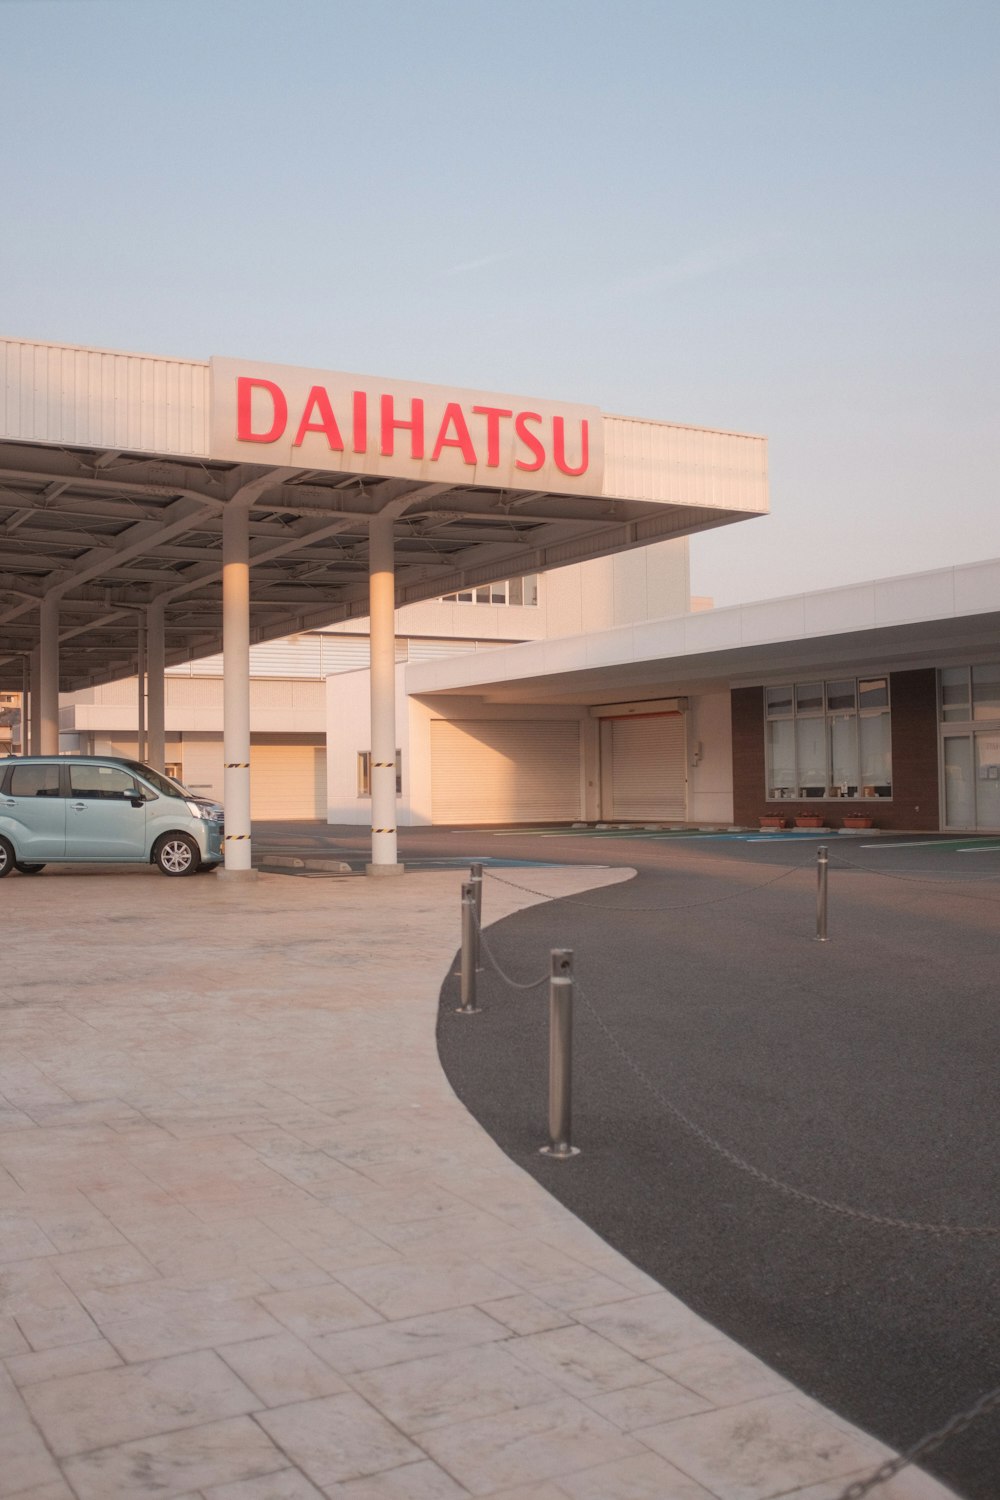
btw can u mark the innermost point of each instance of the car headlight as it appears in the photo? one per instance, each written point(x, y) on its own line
point(194, 810)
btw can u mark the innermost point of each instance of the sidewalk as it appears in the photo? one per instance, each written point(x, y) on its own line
point(253, 1248)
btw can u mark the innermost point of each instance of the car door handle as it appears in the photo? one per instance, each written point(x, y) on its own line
point(79, 807)
point(10, 804)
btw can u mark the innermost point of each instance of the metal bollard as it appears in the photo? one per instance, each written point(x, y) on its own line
point(476, 881)
point(822, 868)
point(468, 1006)
point(560, 1056)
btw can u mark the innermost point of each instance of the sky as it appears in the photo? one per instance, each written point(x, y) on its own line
point(770, 216)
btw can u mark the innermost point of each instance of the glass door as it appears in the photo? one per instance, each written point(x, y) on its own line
point(959, 785)
point(988, 780)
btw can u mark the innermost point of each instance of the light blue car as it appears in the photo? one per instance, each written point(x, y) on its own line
point(96, 809)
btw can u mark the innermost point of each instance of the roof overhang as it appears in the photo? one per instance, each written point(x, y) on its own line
point(115, 471)
point(950, 615)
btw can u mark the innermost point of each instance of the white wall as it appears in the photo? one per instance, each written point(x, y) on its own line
point(710, 782)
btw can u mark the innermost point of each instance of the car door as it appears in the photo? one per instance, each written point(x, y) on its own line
point(102, 818)
point(34, 811)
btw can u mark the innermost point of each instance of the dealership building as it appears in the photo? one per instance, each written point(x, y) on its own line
point(444, 606)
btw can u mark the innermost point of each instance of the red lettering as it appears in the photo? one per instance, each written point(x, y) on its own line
point(360, 422)
point(244, 412)
point(493, 415)
point(530, 441)
point(454, 417)
point(415, 427)
point(327, 423)
point(559, 446)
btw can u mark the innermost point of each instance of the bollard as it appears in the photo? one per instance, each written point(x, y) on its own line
point(822, 868)
point(560, 1056)
point(468, 1006)
point(476, 881)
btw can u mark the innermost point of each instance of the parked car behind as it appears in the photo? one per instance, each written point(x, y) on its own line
point(87, 809)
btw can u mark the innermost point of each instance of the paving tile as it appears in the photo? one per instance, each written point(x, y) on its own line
point(421, 1481)
point(98, 1409)
point(526, 1313)
point(318, 1310)
point(22, 1239)
point(170, 1467)
point(647, 1326)
point(69, 1359)
point(761, 1448)
point(110, 1265)
point(911, 1484)
point(580, 1361)
point(647, 1405)
point(337, 1438)
point(282, 1369)
point(722, 1372)
point(288, 1484)
point(421, 1286)
point(409, 1338)
point(12, 1340)
point(453, 1387)
point(26, 1462)
point(57, 1490)
point(526, 1446)
point(646, 1478)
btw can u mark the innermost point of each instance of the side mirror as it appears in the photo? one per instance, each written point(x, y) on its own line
point(137, 801)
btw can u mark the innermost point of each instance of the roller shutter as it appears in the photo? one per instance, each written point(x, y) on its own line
point(505, 771)
point(287, 780)
point(643, 767)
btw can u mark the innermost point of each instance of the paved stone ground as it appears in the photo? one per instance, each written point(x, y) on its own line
point(253, 1248)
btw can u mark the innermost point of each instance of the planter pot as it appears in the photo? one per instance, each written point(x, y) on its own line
point(773, 820)
point(859, 822)
point(809, 820)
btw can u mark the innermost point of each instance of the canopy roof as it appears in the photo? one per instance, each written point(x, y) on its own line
point(115, 472)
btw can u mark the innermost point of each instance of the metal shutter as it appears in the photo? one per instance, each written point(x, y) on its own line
point(505, 771)
point(287, 780)
point(643, 767)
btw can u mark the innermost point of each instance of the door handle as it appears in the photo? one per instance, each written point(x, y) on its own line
point(79, 807)
point(10, 804)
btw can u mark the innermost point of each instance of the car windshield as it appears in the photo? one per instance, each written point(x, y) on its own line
point(165, 785)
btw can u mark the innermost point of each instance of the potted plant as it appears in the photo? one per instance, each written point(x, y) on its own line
point(773, 820)
point(858, 820)
point(809, 820)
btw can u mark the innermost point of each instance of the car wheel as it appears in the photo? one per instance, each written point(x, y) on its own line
point(176, 854)
point(28, 869)
point(6, 858)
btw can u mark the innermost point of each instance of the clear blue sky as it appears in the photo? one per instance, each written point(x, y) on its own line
point(778, 216)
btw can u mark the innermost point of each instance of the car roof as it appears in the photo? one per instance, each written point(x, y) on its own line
point(103, 760)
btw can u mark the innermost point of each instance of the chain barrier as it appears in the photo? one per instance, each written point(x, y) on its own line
point(881, 1221)
point(654, 910)
point(515, 984)
point(957, 1424)
point(956, 880)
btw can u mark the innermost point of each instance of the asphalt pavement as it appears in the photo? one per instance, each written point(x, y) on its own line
point(862, 1071)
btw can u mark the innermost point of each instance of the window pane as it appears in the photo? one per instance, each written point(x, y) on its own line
point(876, 755)
point(34, 781)
point(779, 701)
point(874, 693)
point(498, 593)
point(810, 745)
point(840, 696)
point(781, 758)
point(100, 781)
point(844, 755)
point(809, 698)
point(515, 591)
point(531, 589)
point(986, 692)
point(955, 693)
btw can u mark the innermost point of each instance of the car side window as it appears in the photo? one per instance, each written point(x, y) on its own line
point(34, 781)
point(106, 783)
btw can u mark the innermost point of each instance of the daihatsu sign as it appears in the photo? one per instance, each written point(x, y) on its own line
point(359, 424)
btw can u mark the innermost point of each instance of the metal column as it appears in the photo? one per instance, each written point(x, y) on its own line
point(49, 677)
point(25, 704)
point(382, 605)
point(155, 687)
point(140, 674)
point(236, 686)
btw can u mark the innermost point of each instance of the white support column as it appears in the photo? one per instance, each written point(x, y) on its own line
point(382, 608)
point(140, 673)
point(35, 721)
point(25, 705)
point(236, 686)
point(49, 673)
point(156, 660)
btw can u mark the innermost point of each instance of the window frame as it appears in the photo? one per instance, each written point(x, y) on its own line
point(789, 712)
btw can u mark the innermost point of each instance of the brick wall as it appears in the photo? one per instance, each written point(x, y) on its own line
point(914, 802)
